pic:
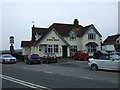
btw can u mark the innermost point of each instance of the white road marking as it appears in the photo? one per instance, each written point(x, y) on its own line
point(87, 78)
point(48, 72)
point(64, 75)
point(25, 83)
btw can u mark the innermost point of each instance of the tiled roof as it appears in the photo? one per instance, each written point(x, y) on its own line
point(92, 43)
point(111, 38)
point(41, 31)
point(26, 43)
point(63, 29)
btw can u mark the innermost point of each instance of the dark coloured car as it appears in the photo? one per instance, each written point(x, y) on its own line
point(98, 54)
point(81, 55)
point(49, 57)
point(34, 58)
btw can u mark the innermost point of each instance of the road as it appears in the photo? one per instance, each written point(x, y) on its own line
point(68, 74)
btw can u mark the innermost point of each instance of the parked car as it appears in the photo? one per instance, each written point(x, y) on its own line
point(114, 53)
point(34, 58)
point(7, 58)
point(98, 54)
point(82, 54)
point(107, 62)
point(49, 57)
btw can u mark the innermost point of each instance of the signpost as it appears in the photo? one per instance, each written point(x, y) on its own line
point(11, 42)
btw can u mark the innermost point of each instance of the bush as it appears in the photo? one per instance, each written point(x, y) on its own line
point(21, 57)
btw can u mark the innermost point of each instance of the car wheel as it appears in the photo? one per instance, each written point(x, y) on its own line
point(94, 67)
point(47, 62)
point(79, 59)
point(56, 61)
point(74, 58)
point(87, 59)
point(29, 63)
point(3, 62)
point(40, 62)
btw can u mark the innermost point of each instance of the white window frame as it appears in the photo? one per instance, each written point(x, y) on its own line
point(91, 49)
point(52, 48)
point(73, 36)
point(73, 48)
point(91, 36)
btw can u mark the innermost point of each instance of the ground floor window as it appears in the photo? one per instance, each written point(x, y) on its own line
point(73, 49)
point(91, 49)
point(51, 48)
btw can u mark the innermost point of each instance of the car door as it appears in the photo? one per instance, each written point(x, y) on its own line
point(104, 62)
point(115, 64)
point(109, 63)
point(115, 59)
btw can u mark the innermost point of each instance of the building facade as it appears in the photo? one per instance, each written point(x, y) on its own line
point(112, 43)
point(63, 40)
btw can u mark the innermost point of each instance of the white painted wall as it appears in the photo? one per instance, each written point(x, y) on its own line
point(53, 34)
point(26, 51)
point(109, 47)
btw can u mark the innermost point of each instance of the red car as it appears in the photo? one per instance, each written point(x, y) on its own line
point(82, 54)
point(49, 57)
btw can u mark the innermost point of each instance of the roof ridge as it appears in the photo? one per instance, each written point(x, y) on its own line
point(40, 28)
point(64, 24)
point(114, 35)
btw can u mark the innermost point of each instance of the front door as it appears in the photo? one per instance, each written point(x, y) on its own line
point(64, 51)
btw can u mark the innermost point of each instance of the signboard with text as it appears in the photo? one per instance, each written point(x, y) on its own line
point(53, 39)
point(11, 40)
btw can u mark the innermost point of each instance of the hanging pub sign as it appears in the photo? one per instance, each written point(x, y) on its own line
point(53, 39)
point(11, 40)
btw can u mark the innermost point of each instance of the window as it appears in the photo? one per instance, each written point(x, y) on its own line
point(91, 49)
point(73, 36)
point(45, 48)
point(105, 57)
point(118, 42)
point(73, 48)
point(51, 48)
point(91, 36)
point(56, 48)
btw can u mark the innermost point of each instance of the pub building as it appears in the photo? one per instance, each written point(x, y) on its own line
point(62, 39)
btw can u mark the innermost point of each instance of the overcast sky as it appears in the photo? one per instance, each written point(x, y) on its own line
point(17, 17)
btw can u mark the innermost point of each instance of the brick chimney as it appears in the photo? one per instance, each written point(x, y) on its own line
point(76, 22)
point(33, 33)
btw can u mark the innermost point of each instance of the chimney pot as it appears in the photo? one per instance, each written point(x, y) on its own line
point(76, 22)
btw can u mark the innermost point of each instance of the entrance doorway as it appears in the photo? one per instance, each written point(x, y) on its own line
point(64, 51)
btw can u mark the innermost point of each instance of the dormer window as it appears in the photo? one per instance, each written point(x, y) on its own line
point(73, 36)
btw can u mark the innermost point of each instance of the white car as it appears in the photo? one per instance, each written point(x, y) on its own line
point(7, 58)
point(107, 62)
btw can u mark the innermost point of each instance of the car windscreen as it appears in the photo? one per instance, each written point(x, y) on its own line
point(118, 54)
point(51, 55)
point(84, 52)
point(115, 56)
point(34, 56)
point(7, 56)
point(105, 57)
